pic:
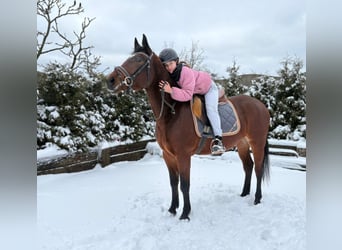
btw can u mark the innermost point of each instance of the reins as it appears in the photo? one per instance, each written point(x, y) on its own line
point(171, 106)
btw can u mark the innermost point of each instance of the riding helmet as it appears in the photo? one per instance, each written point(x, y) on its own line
point(167, 55)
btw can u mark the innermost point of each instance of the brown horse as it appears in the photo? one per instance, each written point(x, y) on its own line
point(175, 132)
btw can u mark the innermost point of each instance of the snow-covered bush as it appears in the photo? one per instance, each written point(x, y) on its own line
point(285, 98)
point(263, 89)
point(75, 112)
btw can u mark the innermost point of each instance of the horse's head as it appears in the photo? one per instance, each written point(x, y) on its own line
point(136, 72)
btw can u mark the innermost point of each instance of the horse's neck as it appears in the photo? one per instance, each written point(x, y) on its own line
point(155, 98)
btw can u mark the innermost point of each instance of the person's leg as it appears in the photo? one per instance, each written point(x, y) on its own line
point(211, 104)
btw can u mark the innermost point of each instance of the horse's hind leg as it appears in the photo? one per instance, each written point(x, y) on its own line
point(258, 155)
point(243, 150)
point(174, 181)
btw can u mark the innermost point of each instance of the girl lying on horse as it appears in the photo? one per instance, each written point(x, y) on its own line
point(192, 82)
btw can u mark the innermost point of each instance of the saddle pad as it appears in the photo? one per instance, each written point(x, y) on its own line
point(230, 122)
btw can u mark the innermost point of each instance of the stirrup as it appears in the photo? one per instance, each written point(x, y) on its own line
point(216, 147)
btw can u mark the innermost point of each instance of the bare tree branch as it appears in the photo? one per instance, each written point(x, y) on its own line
point(80, 55)
point(45, 8)
point(194, 56)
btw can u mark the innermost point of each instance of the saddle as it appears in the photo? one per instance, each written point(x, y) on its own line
point(230, 122)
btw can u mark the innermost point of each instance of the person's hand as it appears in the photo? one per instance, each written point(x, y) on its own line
point(164, 85)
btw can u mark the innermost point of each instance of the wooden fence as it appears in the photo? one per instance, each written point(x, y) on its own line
point(84, 161)
point(296, 151)
point(130, 152)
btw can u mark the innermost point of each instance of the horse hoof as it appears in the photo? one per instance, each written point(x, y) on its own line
point(244, 194)
point(184, 217)
point(256, 202)
point(172, 211)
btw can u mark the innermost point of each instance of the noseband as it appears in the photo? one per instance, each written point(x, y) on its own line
point(129, 79)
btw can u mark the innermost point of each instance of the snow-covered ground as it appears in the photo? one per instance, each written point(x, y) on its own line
point(124, 206)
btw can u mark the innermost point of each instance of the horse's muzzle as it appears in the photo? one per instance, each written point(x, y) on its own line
point(110, 83)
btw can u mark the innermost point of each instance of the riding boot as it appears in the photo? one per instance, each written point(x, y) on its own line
point(217, 147)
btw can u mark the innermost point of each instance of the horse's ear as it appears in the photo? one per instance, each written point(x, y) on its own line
point(146, 45)
point(137, 46)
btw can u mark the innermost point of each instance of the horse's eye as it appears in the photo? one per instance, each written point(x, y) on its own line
point(111, 80)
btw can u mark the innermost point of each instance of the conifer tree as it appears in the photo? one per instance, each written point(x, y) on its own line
point(263, 89)
point(290, 97)
point(232, 85)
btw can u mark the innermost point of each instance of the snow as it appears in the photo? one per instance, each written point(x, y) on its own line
point(288, 142)
point(51, 151)
point(124, 206)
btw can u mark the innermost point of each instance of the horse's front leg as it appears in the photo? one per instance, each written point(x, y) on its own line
point(174, 181)
point(184, 171)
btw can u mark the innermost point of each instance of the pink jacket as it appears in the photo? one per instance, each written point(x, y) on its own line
point(191, 82)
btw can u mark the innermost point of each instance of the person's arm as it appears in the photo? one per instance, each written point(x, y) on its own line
point(187, 84)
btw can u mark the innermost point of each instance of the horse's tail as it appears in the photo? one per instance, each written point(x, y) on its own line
point(266, 164)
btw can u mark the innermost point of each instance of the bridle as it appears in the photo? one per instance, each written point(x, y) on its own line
point(128, 81)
